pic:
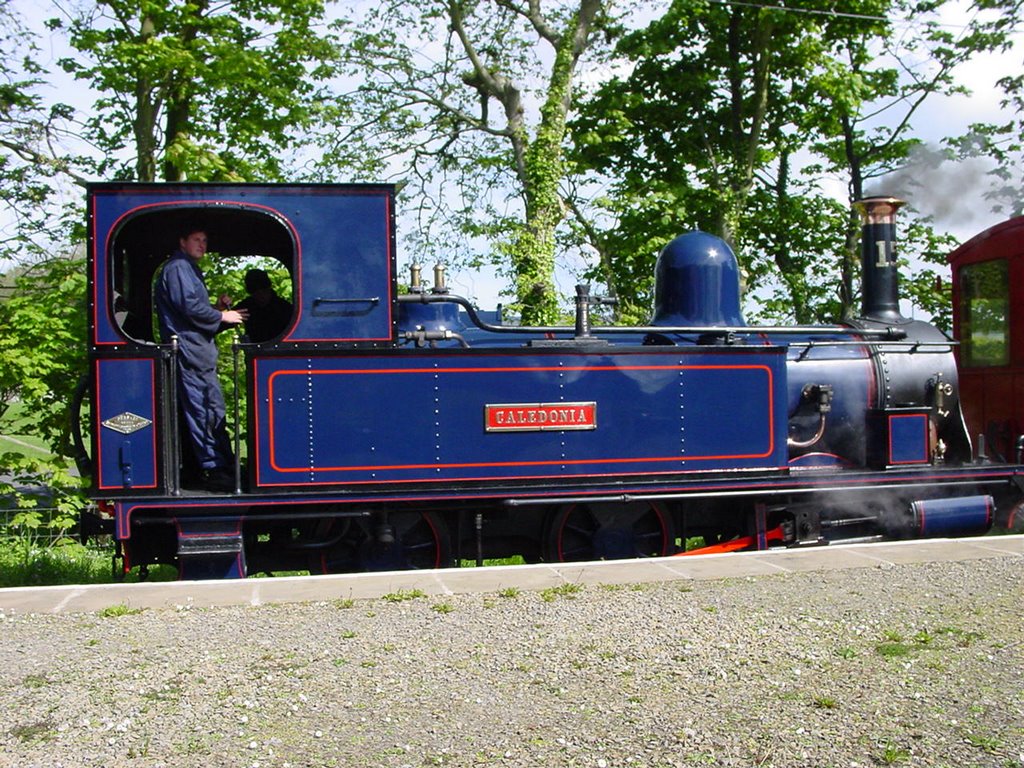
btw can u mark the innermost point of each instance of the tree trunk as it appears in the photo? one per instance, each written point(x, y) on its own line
point(533, 246)
point(144, 125)
point(179, 101)
point(851, 251)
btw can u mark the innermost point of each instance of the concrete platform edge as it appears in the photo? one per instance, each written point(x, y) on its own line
point(262, 591)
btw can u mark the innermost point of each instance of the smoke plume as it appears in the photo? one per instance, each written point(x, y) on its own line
point(950, 190)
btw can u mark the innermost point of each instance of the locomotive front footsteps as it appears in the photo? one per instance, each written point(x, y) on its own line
point(385, 429)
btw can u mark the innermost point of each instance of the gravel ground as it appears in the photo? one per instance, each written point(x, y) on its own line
point(901, 665)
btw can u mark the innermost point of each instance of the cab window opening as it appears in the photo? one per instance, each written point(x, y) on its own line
point(240, 241)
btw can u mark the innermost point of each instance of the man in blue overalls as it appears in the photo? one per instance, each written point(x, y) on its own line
point(184, 310)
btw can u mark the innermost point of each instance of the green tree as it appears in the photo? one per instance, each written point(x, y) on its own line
point(199, 90)
point(182, 90)
point(35, 164)
point(705, 123)
point(41, 355)
point(457, 113)
point(1003, 143)
point(867, 100)
point(721, 102)
point(42, 345)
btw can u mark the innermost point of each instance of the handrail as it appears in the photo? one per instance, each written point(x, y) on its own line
point(888, 332)
point(235, 350)
point(174, 438)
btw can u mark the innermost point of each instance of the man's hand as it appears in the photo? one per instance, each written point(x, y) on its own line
point(234, 316)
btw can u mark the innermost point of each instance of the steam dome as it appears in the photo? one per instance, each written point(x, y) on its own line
point(697, 283)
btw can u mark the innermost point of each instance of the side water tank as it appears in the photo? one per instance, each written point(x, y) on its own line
point(697, 283)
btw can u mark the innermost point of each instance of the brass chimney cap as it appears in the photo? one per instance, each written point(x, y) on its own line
point(880, 209)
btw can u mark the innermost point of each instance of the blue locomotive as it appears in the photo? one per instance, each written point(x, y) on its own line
point(388, 428)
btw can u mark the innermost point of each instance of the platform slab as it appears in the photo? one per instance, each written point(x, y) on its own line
point(297, 589)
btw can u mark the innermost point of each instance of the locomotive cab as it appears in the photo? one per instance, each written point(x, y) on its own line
point(330, 248)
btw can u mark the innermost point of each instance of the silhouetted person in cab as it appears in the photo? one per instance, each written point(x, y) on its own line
point(269, 314)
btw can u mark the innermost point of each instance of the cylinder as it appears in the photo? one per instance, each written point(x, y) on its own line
point(965, 516)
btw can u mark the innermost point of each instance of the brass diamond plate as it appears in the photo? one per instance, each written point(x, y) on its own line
point(126, 423)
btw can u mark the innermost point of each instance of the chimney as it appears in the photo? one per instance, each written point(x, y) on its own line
point(880, 294)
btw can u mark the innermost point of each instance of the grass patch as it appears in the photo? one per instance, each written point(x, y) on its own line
point(23, 564)
point(160, 572)
point(893, 755)
point(894, 646)
point(17, 437)
point(41, 731)
point(515, 560)
point(568, 591)
point(403, 595)
point(988, 744)
point(27, 445)
point(167, 692)
point(962, 637)
point(892, 650)
point(115, 611)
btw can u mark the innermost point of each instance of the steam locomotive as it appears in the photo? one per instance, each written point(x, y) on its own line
point(387, 428)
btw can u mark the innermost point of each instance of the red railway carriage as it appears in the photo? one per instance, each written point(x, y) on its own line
point(988, 319)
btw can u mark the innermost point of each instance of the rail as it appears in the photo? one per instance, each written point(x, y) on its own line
point(889, 332)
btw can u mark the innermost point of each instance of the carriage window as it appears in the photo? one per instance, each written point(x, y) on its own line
point(984, 314)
